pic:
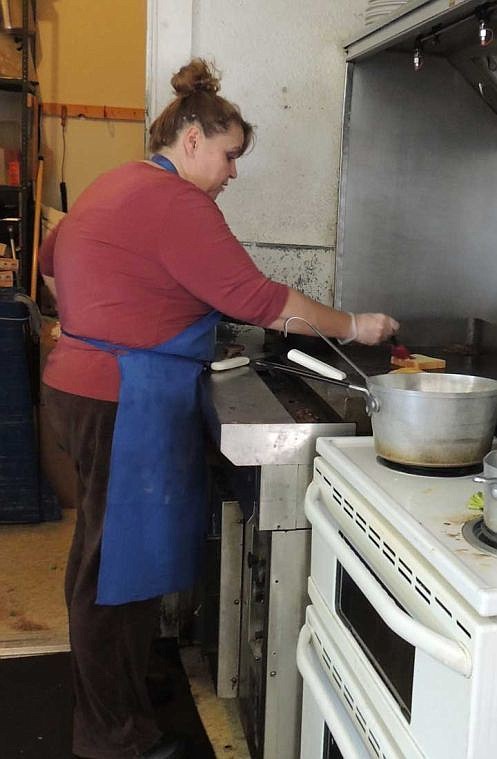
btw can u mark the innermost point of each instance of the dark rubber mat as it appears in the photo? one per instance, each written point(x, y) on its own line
point(36, 704)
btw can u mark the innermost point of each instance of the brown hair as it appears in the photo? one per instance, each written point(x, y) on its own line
point(196, 86)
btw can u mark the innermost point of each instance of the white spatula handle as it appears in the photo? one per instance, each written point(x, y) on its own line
point(229, 363)
point(315, 365)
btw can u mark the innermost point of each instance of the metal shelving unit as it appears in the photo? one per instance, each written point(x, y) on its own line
point(24, 493)
point(16, 201)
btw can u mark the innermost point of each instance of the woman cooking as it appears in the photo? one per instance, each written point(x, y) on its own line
point(144, 265)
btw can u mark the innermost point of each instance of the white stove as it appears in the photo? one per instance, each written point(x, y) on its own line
point(429, 512)
point(399, 649)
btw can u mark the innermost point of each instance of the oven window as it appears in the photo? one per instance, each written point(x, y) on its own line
point(330, 748)
point(390, 655)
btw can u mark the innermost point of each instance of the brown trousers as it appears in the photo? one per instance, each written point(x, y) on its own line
point(110, 645)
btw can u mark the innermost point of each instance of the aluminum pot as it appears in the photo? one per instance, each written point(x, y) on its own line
point(424, 419)
point(433, 420)
point(490, 481)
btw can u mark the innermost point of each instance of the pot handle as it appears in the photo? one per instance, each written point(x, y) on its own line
point(491, 482)
point(450, 652)
point(327, 341)
point(372, 403)
point(315, 365)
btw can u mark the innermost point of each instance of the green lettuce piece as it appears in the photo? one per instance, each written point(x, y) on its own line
point(476, 501)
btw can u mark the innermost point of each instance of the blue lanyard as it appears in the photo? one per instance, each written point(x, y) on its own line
point(164, 162)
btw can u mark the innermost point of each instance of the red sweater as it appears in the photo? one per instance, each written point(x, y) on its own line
point(141, 256)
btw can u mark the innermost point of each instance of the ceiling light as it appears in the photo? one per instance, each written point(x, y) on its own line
point(485, 32)
point(418, 58)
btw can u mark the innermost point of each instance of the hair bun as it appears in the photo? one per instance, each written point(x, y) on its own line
point(196, 76)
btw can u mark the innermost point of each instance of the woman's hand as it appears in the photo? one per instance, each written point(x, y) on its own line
point(373, 328)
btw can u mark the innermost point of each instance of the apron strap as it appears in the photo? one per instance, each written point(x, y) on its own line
point(117, 349)
point(166, 164)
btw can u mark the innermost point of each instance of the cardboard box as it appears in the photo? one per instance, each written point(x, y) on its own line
point(9, 264)
point(6, 279)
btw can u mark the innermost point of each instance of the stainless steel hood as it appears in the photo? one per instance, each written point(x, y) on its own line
point(442, 28)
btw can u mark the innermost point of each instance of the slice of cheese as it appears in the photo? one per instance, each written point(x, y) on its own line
point(405, 370)
point(420, 363)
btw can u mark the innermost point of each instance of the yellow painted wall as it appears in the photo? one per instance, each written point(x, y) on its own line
point(90, 52)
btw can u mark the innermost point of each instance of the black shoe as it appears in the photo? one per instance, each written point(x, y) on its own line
point(166, 748)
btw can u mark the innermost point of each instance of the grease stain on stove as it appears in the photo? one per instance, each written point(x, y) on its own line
point(460, 519)
point(481, 556)
point(454, 527)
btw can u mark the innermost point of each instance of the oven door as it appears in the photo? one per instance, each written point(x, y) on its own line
point(408, 637)
point(338, 719)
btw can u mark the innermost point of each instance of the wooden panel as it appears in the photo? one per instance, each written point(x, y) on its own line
point(75, 111)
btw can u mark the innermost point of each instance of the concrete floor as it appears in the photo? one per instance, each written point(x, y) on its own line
point(219, 715)
point(33, 617)
point(33, 620)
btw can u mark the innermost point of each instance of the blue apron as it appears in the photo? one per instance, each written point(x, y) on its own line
point(156, 509)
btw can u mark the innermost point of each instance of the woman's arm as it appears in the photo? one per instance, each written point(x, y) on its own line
point(368, 329)
point(202, 254)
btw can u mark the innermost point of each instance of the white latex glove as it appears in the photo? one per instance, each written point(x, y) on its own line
point(370, 329)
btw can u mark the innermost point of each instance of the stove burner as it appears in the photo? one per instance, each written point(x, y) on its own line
point(477, 533)
point(431, 471)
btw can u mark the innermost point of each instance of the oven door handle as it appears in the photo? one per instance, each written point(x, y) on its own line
point(450, 652)
point(331, 708)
